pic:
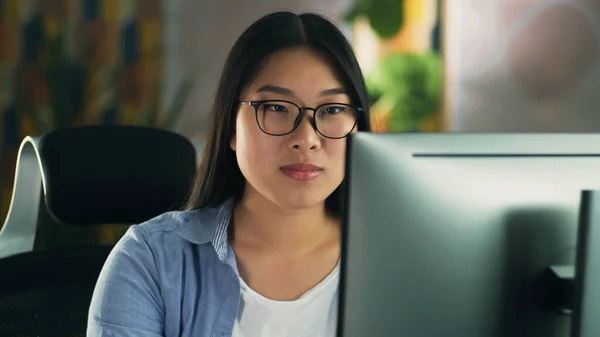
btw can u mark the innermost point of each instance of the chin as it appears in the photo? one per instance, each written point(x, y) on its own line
point(291, 196)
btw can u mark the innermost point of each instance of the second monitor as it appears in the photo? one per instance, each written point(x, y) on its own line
point(450, 234)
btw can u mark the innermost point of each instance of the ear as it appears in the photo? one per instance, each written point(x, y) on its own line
point(232, 143)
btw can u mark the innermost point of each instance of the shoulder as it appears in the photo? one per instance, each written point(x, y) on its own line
point(154, 267)
point(165, 237)
point(194, 226)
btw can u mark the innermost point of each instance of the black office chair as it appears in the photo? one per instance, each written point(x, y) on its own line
point(80, 177)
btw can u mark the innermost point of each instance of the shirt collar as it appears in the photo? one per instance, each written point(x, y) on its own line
point(208, 225)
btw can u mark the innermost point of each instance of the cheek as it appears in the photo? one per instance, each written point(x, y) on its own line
point(337, 155)
point(253, 147)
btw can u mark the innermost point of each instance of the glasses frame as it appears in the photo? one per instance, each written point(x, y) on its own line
point(256, 104)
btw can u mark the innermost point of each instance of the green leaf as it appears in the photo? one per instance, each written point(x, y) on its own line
point(411, 84)
point(359, 9)
point(386, 17)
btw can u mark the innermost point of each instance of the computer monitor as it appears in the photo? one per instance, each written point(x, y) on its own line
point(451, 234)
point(586, 303)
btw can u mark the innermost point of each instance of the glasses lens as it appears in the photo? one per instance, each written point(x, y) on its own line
point(277, 117)
point(335, 120)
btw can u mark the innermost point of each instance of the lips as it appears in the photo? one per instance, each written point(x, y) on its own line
point(302, 172)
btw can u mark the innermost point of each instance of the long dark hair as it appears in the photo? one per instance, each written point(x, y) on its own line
point(219, 176)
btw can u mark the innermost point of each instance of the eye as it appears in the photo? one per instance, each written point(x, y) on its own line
point(334, 110)
point(275, 107)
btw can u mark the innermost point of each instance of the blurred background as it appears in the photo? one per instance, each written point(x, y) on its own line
point(430, 65)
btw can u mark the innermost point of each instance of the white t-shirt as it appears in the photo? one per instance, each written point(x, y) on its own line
point(314, 314)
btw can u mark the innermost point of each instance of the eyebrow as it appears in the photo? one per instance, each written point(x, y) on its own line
point(287, 92)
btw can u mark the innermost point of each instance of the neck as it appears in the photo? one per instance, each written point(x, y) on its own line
point(263, 225)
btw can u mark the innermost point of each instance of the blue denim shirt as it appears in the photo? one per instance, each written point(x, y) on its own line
point(175, 275)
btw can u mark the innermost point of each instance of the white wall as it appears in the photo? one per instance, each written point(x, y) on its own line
point(523, 65)
point(512, 65)
point(207, 30)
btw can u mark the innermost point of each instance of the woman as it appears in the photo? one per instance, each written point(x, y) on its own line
point(257, 253)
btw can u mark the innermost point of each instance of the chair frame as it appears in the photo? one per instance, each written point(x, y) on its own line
point(19, 230)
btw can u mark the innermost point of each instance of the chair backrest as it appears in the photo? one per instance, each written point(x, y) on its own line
point(80, 177)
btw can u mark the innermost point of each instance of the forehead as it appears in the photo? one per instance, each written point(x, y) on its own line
point(298, 68)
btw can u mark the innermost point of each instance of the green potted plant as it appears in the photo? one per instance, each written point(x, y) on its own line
point(405, 88)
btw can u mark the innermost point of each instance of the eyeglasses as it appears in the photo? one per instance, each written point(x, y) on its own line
point(279, 118)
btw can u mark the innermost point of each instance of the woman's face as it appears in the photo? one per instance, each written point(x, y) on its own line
point(301, 169)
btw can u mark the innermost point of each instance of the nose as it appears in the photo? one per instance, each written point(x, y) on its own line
point(305, 138)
